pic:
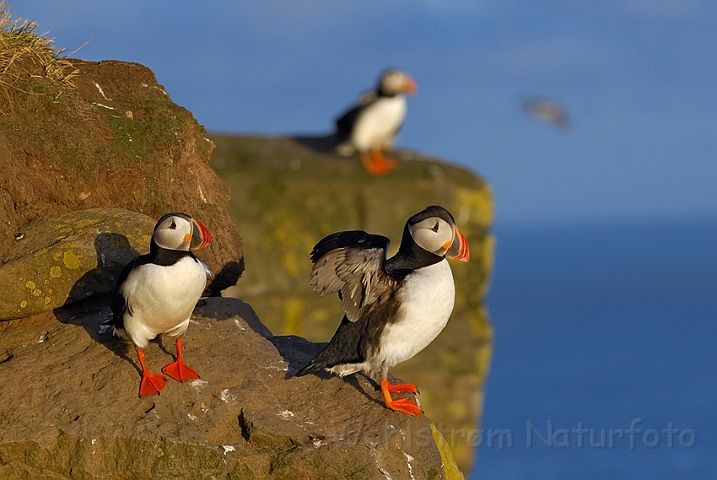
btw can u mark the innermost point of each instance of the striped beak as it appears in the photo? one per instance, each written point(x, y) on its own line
point(200, 236)
point(459, 247)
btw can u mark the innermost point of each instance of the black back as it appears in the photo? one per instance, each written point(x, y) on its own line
point(348, 239)
point(345, 124)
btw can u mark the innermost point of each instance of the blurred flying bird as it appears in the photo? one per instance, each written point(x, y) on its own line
point(548, 111)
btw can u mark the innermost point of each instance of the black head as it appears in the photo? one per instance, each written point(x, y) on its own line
point(434, 230)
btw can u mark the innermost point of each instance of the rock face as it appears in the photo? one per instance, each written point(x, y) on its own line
point(70, 408)
point(287, 193)
point(111, 139)
point(70, 257)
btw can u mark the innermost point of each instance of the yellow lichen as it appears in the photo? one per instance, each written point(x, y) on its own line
point(71, 261)
point(30, 284)
point(449, 464)
point(47, 300)
point(37, 292)
point(23, 304)
point(55, 272)
point(118, 224)
point(87, 222)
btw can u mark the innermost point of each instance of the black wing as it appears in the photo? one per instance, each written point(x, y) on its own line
point(345, 124)
point(118, 302)
point(352, 263)
point(353, 342)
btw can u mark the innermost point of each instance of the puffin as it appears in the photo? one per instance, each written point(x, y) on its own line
point(548, 111)
point(393, 308)
point(156, 294)
point(373, 123)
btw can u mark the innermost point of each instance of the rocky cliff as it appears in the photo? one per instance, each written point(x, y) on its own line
point(70, 409)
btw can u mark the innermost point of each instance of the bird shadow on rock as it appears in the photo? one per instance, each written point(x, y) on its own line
point(319, 143)
point(225, 308)
point(89, 301)
point(227, 277)
point(298, 352)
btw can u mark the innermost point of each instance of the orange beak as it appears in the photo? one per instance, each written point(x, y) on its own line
point(410, 87)
point(200, 236)
point(459, 248)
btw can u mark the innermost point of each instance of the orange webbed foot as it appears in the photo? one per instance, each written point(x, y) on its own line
point(406, 406)
point(402, 387)
point(376, 163)
point(385, 164)
point(403, 405)
point(152, 384)
point(178, 370)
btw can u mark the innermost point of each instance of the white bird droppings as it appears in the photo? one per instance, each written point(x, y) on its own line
point(226, 396)
point(102, 92)
point(198, 384)
point(286, 415)
point(409, 459)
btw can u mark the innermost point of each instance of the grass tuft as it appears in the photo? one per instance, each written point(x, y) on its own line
point(27, 57)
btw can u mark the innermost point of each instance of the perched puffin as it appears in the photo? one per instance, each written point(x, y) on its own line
point(373, 124)
point(156, 294)
point(393, 308)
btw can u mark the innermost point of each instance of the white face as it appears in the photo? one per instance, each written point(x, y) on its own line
point(433, 234)
point(396, 81)
point(174, 233)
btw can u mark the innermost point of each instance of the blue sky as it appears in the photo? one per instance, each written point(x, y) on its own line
point(636, 76)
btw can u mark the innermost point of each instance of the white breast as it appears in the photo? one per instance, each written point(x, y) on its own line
point(378, 123)
point(426, 301)
point(161, 298)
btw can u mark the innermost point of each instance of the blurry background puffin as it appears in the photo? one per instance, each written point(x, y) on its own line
point(156, 294)
point(393, 308)
point(373, 124)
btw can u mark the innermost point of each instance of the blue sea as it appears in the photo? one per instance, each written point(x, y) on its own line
point(604, 362)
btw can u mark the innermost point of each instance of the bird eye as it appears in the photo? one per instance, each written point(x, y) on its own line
point(435, 227)
point(173, 225)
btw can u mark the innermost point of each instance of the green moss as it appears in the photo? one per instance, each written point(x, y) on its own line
point(143, 140)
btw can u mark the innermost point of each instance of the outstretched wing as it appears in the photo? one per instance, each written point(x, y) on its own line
point(351, 263)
